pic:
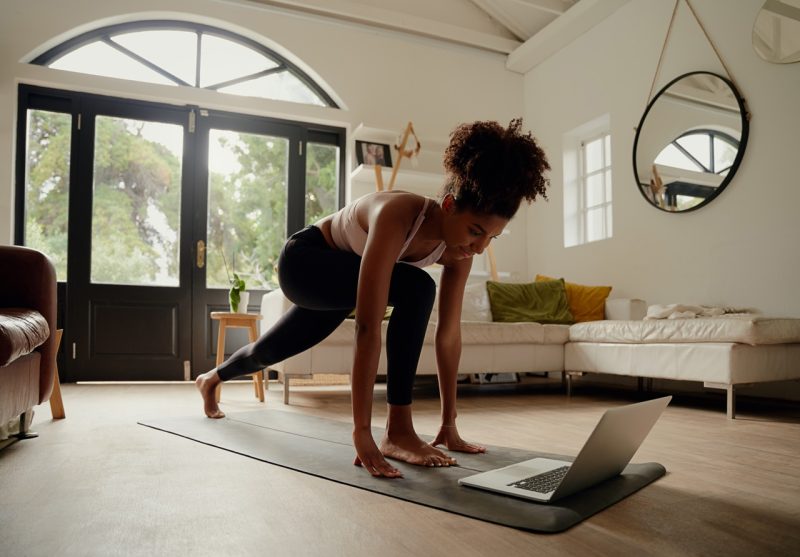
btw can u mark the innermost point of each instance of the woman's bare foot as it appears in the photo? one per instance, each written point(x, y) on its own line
point(449, 437)
point(207, 385)
point(368, 456)
point(408, 447)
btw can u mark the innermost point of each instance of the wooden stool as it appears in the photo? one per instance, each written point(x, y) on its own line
point(240, 320)
point(56, 403)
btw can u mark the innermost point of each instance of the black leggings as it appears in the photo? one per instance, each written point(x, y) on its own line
point(322, 283)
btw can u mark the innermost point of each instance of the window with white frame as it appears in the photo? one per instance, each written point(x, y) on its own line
point(587, 183)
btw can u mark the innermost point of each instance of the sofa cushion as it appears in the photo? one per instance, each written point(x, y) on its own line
point(746, 329)
point(473, 332)
point(587, 303)
point(21, 332)
point(513, 333)
point(542, 302)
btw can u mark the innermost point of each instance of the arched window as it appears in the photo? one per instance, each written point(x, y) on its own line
point(702, 150)
point(188, 54)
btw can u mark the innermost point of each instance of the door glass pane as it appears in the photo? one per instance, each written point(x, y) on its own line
point(136, 202)
point(322, 181)
point(247, 191)
point(47, 185)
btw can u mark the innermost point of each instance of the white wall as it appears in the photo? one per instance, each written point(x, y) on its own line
point(742, 249)
point(384, 79)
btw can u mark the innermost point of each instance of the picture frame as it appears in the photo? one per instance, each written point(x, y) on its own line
point(371, 153)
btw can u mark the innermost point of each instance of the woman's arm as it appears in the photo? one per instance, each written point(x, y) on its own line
point(448, 352)
point(388, 225)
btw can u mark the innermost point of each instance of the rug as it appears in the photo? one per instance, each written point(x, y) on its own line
point(323, 448)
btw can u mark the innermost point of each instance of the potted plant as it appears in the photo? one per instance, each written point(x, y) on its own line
point(238, 295)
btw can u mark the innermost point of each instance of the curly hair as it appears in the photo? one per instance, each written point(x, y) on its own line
point(491, 169)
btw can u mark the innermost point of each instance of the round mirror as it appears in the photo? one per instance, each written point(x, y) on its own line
point(690, 142)
point(776, 32)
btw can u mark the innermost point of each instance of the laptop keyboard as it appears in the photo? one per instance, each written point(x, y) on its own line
point(542, 483)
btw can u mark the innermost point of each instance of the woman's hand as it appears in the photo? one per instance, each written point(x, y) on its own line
point(449, 437)
point(368, 456)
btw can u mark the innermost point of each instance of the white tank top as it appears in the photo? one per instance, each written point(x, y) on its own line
point(348, 235)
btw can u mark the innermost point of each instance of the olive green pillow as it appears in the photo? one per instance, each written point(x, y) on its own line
point(386, 314)
point(542, 302)
point(587, 303)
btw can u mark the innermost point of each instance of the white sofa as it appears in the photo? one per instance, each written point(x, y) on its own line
point(722, 352)
point(486, 346)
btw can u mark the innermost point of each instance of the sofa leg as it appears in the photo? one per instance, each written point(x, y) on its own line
point(731, 401)
point(56, 402)
point(25, 420)
point(285, 389)
point(569, 385)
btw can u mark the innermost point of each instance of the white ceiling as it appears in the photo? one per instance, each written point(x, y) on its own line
point(495, 25)
point(526, 31)
point(524, 18)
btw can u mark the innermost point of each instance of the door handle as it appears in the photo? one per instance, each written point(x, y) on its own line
point(201, 254)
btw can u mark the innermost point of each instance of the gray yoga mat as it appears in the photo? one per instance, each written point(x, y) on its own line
point(323, 448)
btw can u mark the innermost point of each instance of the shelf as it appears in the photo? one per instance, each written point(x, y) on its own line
point(380, 135)
point(423, 175)
point(427, 183)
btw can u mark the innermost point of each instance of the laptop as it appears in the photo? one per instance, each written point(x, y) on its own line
point(609, 449)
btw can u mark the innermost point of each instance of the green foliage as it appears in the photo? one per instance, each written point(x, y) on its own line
point(238, 284)
point(136, 206)
point(247, 209)
point(322, 176)
point(234, 295)
point(47, 186)
point(136, 202)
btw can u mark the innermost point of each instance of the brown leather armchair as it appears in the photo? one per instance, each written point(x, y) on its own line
point(27, 331)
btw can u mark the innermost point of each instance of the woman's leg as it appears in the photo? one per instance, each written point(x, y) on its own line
point(296, 331)
point(411, 294)
point(322, 283)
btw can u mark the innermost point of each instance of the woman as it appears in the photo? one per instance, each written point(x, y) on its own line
point(369, 255)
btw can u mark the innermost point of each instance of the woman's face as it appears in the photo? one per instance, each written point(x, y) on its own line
point(467, 233)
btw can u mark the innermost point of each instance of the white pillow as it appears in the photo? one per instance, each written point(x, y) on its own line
point(476, 305)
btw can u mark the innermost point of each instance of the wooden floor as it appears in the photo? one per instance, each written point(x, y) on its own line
point(98, 484)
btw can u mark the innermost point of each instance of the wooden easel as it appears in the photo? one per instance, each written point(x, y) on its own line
point(402, 152)
point(492, 264)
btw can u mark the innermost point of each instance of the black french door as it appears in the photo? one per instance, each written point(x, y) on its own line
point(163, 204)
point(262, 191)
point(128, 309)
